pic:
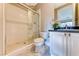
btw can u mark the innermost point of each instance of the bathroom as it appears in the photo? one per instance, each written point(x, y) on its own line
point(26, 28)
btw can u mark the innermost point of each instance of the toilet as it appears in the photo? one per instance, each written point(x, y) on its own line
point(39, 43)
point(45, 35)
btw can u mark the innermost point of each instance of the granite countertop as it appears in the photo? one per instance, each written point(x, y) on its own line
point(73, 29)
point(65, 30)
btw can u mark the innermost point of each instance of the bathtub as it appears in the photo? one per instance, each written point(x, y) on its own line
point(19, 49)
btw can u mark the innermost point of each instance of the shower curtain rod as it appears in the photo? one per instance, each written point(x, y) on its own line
point(29, 8)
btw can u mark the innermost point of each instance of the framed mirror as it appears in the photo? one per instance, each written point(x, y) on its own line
point(66, 15)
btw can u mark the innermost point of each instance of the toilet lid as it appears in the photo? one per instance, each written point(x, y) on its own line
point(38, 40)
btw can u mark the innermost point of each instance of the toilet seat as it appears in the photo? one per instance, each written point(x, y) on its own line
point(39, 41)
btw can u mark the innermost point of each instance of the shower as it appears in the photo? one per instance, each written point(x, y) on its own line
point(21, 26)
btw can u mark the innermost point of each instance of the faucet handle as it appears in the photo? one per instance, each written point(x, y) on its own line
point(66, 26)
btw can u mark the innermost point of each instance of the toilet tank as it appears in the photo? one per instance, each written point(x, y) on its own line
point(44, 35)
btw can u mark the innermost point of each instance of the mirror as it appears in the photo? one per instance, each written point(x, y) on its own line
point(65, 15)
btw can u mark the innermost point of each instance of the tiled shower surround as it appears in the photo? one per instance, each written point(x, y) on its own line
point(18, 27)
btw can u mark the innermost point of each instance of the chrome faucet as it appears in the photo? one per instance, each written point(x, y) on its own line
point(66, 27)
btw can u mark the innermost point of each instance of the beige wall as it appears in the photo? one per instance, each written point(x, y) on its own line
point(58, 4)
point(78, 16)
point(1, 28)
point(47, 14)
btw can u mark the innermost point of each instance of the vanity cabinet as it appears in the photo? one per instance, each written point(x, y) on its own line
point(74, 44)
point(64, 44)
point(57, 43)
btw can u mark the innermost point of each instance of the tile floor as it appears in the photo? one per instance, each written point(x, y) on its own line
point(46, 52)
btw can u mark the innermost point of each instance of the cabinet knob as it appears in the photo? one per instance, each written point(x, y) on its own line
point(69, 34)
point(65, 34)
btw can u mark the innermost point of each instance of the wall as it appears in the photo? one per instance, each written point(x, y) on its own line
point(1, 28)
point(77, 16)
point(47, 14)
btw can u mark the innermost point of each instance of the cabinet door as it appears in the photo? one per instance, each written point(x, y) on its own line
point(74, 44)
point(57, 43)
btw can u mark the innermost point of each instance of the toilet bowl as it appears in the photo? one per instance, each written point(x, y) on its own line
point(38, 41)
point(42, 40)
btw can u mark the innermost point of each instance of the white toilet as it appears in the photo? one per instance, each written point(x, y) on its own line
point(39, 42)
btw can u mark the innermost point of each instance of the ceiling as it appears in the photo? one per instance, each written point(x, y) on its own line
point(31, 4)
